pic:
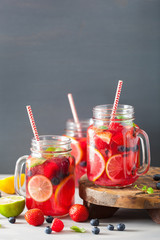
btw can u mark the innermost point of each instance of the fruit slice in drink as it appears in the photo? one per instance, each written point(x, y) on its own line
point(114, 168)
point(76, 150)
point(96, 163)
point(105, 136)
point(65, 192)
point(40, 188)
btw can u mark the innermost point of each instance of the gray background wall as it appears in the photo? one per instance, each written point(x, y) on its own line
point(52, 47)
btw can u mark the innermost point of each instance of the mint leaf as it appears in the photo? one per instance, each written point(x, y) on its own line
point(77, 229)
point(120, 117)
point(144, 188)
point(150, 190)
point(103, 127)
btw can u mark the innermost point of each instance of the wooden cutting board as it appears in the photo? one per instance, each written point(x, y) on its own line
point(104, 202)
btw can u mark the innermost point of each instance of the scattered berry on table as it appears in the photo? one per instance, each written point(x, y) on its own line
point(110, 227)
point(34, 217)
point(78, 213)
point(158, 185)
point(57, 225)
point(120, 227)
point(48, 230)
point(95, 230)
point(94, 222)
point(156, 177)
point(12, 219)
point(49, 219)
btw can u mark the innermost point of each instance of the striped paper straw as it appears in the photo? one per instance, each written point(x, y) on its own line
point(32, 122)
point(74, 113)
point(116, 100)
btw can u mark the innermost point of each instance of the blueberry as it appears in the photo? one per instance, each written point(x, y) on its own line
point(120, 227)
point(83, 164)
point(135, 148)
point(123, 149)
point(55, 181)
point(12, 219)
point(110, 227)
point(29, 173)
point(106, 152)
point(158, 185)
point(156, 177)
point(48, 230)
point(95, 230)
point(94, 222)
point(49, 219)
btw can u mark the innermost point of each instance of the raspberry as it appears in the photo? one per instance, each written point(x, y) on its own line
point(57, 225)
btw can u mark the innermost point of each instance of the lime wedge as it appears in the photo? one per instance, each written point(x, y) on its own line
point(11, 206)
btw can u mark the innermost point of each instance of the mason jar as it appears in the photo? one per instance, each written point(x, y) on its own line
point(77, 132)
point(114, 157)
point(50, 181)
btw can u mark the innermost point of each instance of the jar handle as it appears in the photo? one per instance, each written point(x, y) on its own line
point(18, 170)
point(146, 158)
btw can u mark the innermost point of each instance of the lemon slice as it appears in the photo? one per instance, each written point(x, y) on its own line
point(11, 206)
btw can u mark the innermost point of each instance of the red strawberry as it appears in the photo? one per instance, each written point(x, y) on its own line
point(78, 213)
point(57, 225)
point(100, 144)
point(34, 217)
point(50, 168)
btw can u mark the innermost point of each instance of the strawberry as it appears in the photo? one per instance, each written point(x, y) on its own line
point(57, 225)
point(100, 144)
point(78, 213)
point(34, 217)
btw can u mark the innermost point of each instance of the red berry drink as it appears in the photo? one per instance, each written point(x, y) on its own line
point(114, 147)
point(78, 135)
point(50, 181)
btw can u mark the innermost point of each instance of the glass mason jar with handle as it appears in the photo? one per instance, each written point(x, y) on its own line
point(77, 132)
point(113, 158)
point(50, 181)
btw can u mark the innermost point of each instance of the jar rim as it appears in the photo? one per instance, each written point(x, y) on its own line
point(105, 111)
point(52, 139)
point(109, 107)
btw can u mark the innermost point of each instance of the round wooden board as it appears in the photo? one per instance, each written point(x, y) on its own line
point(128, 197)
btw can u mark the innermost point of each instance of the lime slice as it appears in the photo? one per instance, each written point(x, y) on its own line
point(40, 188)
point(11, 206)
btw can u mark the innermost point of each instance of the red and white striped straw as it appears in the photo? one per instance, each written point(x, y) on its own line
point(73, 108)
point(74, 113)
point(116, 100)
point(32, 122)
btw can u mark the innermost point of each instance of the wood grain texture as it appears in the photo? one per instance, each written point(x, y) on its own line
point(127, 197)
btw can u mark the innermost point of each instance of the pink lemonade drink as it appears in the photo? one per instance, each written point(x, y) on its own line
point(78, 135)
point(50, 181)
point(114, 147)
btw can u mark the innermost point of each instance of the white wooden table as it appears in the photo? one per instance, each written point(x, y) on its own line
point(138, 226)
